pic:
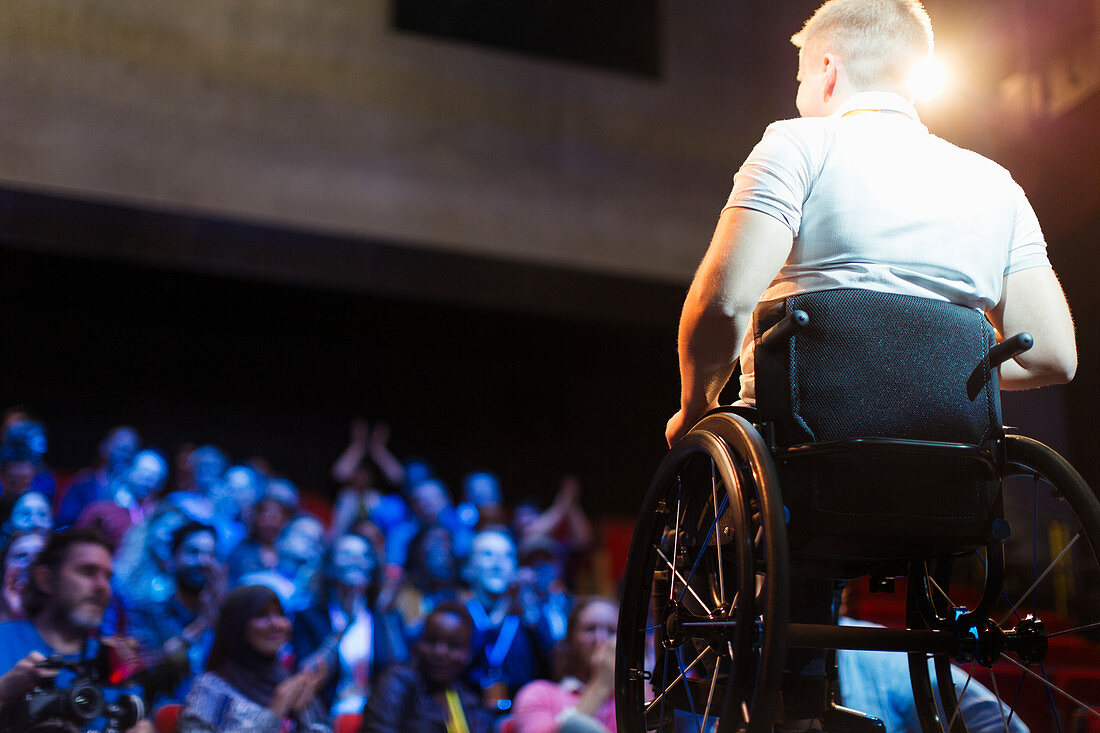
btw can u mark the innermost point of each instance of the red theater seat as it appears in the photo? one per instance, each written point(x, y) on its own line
point(347, 723)
point(166, 718)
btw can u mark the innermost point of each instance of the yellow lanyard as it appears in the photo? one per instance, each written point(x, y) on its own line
point(876, 111)
point(456, 719)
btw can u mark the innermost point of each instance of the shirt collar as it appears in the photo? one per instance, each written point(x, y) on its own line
point(877, 101)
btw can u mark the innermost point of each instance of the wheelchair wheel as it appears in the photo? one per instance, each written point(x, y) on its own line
point(1044, 620)
point(702, 625)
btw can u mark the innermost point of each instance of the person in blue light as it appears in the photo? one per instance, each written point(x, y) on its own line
point(234, 499)
point(116, 452)
point(358, 639)
point(67, 593)
point(182, 626)
point(431, 505)
point(508, 652)
point(300, 547)
point(430, 578)
point(277, 506)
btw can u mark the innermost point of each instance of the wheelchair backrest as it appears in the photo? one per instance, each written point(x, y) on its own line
point(880, 365)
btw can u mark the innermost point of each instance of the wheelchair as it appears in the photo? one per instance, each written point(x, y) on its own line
point(876, 450)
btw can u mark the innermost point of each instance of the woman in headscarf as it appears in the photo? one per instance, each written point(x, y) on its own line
point(245, 686)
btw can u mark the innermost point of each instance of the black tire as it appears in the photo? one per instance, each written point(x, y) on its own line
point(692, 645)
point(1051, 564)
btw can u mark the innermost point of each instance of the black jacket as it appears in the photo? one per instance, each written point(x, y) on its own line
point(401, 703)
point(314, 624)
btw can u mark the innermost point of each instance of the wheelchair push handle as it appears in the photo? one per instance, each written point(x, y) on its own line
point(1010, 348)
point(780, 332)
point(999, 354)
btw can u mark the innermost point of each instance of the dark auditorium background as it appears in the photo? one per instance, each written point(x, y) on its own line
point(473, 221)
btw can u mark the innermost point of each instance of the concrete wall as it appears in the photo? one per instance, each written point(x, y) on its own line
point(319, 115)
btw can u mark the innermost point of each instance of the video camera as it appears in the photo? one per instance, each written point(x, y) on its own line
point(80, 704)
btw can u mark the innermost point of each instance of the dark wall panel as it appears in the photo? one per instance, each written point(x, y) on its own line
point(277, 371)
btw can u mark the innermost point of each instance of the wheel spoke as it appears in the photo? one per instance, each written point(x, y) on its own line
point(1053, 564)
point(664, 676)
point(679, 677)
point(959, 698)
point(1051, 687)
point(681, 577)
point(710, 696)
point(675, 538)
point(705, 542)
point(1003, 593)
point(997, 694)
point(942, 592)
point(1086, 627)
point(717, 536)
point(687, 689)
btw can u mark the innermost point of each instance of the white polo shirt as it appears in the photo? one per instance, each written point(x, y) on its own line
point(875, 201)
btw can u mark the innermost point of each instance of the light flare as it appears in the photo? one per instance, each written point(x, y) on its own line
point(931, 80)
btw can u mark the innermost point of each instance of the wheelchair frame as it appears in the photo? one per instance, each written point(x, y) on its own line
point(708, 575)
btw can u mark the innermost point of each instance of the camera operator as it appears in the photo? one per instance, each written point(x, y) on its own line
point(68, 589)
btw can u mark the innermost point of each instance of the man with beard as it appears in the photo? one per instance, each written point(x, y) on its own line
point(68, 589)
point(181, 626)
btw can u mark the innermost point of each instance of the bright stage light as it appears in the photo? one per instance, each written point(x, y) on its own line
point(930, 80)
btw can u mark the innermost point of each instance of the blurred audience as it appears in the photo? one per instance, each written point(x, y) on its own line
point(116, 452)
point(431, 576)
point(129, 496)
point(359, 498)
point(430, 695)
point(299, 551)
point(583, 701)
point(182, 626)
point(17, 555)
point(345, 623)
point(272, 514)
point(245, 688)
point(507, 647)
point(242, 605)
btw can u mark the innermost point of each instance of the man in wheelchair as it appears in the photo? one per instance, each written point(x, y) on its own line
point(856, 203)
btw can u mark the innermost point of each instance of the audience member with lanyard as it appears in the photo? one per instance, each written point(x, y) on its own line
point(508, 650)
point(430, 695)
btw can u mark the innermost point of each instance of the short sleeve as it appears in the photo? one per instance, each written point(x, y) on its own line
point(1028, 248)
point(776, 177)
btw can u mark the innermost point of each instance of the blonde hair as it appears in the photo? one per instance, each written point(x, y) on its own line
point(880, 41)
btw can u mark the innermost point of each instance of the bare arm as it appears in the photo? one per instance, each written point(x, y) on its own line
point(566, 506)
point(358, 446)
point(745, 254)
point(385, 460)
point(1032, 300)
